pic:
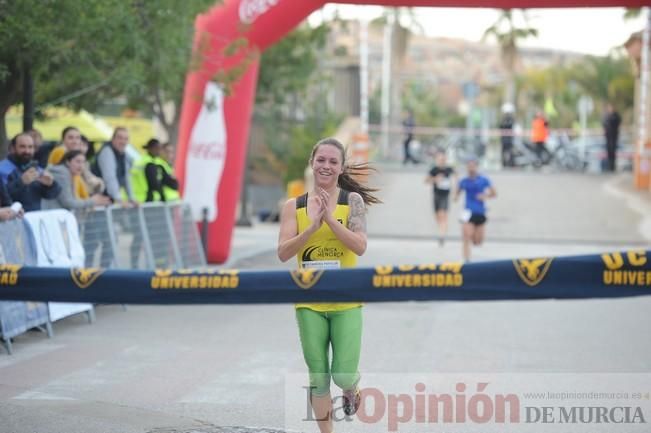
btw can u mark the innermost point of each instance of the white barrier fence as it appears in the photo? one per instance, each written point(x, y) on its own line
point(152, 235)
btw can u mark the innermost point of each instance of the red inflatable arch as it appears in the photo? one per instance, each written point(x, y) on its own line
point(214, 126)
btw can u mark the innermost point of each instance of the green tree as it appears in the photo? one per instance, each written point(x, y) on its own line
point(291, 101)
point(287, 68)
point(537, 86)
point(302, 138)
point(606, 79)
point(422, 100)
point(162, 32)
point(508, 36)
point(83, 53)
point(47, 38)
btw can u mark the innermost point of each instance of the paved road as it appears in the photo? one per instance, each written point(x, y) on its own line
point(535, 214)
point(200, 368)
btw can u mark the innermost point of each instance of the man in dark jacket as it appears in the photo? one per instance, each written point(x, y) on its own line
point(611, 122)
point(28, 183)
point(506, 136)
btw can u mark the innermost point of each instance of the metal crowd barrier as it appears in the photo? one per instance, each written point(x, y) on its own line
point(152, 235)
point(16, 317)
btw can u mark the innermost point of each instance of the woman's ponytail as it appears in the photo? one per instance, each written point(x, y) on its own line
point(348, 181)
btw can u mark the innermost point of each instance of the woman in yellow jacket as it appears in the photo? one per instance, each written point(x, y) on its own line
point(326, 229)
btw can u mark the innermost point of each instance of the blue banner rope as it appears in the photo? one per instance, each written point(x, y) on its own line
point(610, 275)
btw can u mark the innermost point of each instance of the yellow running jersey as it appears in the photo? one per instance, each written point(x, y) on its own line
point(323, 250)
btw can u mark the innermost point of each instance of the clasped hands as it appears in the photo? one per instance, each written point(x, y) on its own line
point(323, 215)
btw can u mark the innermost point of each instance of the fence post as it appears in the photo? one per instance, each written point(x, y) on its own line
point(173, 234)
point(243, 220)
point(204, 230)
point(146, 242)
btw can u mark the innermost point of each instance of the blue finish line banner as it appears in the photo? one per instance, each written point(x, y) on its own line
point(597, 276)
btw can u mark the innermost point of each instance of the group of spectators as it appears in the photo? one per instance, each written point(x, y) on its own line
point(69, 175)
point(611, 122)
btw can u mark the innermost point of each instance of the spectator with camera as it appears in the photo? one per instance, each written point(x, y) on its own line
point(26, 182)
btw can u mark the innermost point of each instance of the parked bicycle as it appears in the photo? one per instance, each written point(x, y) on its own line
point(563, 155)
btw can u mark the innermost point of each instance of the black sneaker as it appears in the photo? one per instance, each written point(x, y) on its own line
point(352, 400)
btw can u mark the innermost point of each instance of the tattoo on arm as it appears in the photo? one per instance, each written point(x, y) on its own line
point(357, 216)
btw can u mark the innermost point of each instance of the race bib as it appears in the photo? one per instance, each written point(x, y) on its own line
point(465, 215)
point(444, 183)
point(322, 264)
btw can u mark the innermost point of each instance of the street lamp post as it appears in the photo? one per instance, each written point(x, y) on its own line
point(386, 83)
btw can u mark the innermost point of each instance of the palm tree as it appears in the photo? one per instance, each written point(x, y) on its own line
point(405, 24)
point(605, 79)
point(508, 36)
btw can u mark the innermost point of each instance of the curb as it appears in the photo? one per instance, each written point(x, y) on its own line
point(635, 200)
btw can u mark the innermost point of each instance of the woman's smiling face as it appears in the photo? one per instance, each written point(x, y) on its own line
point(72, 139)
point(327, 165)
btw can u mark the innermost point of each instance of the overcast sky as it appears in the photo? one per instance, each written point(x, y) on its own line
point(586, 30)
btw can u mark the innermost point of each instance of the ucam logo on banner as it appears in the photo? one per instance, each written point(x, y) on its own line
point(58, 245)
